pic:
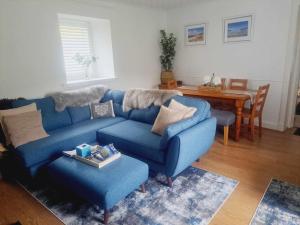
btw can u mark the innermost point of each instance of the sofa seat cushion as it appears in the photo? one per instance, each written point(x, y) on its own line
point(133, 137)
point(61, 140)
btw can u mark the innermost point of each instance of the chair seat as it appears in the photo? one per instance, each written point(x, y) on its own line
point(224, 118)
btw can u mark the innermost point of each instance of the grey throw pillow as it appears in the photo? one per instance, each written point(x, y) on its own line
point(105, 109)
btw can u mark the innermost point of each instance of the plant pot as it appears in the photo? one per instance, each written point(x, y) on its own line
point(166, 76)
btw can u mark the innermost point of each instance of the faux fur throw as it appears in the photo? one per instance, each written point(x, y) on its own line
point(141, 98)
point(80, 97)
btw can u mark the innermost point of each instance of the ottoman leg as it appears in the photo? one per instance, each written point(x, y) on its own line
point(169, 181)
point(143, 189)
point(106, 216)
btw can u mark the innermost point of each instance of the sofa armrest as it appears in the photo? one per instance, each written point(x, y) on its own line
point(176, 128)
point(187, 146)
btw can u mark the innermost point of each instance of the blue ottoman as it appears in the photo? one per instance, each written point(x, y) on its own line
point(105, 186)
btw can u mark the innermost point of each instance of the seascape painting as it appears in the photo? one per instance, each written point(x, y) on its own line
point(237, 29)
point(195, 34)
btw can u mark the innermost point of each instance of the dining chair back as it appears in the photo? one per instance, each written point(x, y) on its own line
point(256, 109)
point(238, 84)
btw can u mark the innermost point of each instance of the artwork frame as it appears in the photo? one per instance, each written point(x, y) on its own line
point(195, 34)
point(238, 29)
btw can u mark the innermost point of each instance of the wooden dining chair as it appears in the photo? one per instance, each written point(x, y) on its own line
point(223, 83)
point(256, 110)
point(238, 84)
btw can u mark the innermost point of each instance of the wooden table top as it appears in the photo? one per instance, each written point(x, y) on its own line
point(213, 94)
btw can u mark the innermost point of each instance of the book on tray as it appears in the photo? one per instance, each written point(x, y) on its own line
point(99, 155)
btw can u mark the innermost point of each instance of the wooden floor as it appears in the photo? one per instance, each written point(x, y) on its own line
point(253, 164)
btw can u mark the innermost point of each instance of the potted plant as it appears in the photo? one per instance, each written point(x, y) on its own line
point(167, 44)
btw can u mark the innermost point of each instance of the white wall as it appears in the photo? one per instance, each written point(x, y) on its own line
point(261, 61)
point(31, 60)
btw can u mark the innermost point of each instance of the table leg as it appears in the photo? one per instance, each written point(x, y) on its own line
point(239, 105)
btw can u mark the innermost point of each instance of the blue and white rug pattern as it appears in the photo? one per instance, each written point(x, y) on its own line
point(279, 206)
point(196, 196)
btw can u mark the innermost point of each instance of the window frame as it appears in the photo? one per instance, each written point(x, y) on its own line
point(94, 76)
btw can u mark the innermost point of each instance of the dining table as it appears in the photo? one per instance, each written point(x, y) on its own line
point(231, 97)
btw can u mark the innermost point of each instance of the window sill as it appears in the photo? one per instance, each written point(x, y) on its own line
point(83, 83)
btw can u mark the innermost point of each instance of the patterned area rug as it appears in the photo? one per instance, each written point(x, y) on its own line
point(194, 199)
point(279, 206)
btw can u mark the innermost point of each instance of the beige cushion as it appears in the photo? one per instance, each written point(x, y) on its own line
point(25, 127)
point(166, 117)
point(189, 111)
point(12, 112)
point(174, 113)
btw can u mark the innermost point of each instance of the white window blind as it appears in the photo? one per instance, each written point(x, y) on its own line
point(76, 42)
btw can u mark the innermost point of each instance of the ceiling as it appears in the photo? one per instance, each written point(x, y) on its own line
point(165, 4)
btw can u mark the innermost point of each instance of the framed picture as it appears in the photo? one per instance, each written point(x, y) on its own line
point(238, 29)
point(195, 34)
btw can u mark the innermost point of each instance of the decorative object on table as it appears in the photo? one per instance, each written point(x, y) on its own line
point(195, 34)
point(79, 97)
point(167, 45)
point(201, 195)
point(83, 150)
point(256, 110)
point(24, 128)
point(85, 61)
point(211, 83)
point(12, 112)
point(238, 29)
point(279, 205)
point(96, 155)
point(100, 110)
point(143, 98)
point(238, 84)
point(171, 84)
point(179, 83)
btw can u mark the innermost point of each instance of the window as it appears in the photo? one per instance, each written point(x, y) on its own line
point(87, 48)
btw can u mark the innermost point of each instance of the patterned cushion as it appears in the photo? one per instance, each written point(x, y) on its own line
point(105, 109)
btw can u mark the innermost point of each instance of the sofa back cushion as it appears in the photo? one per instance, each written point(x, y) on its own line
point(202, 106)
point(51, 118)
point(117, 97)
point(79, 113)
point(147, 115)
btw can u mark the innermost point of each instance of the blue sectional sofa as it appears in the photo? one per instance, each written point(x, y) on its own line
point(182, 143)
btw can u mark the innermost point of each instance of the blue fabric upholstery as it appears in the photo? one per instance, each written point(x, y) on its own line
point(79, 114)
point(224, 118)
point(202, 113)
point(104, 187)
point(62, 139)
point(203, 107)
point(187, 146)
point(133, 137)
point(51, 119)
point(181, 144)
point(145, 115)
point(117, 97)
